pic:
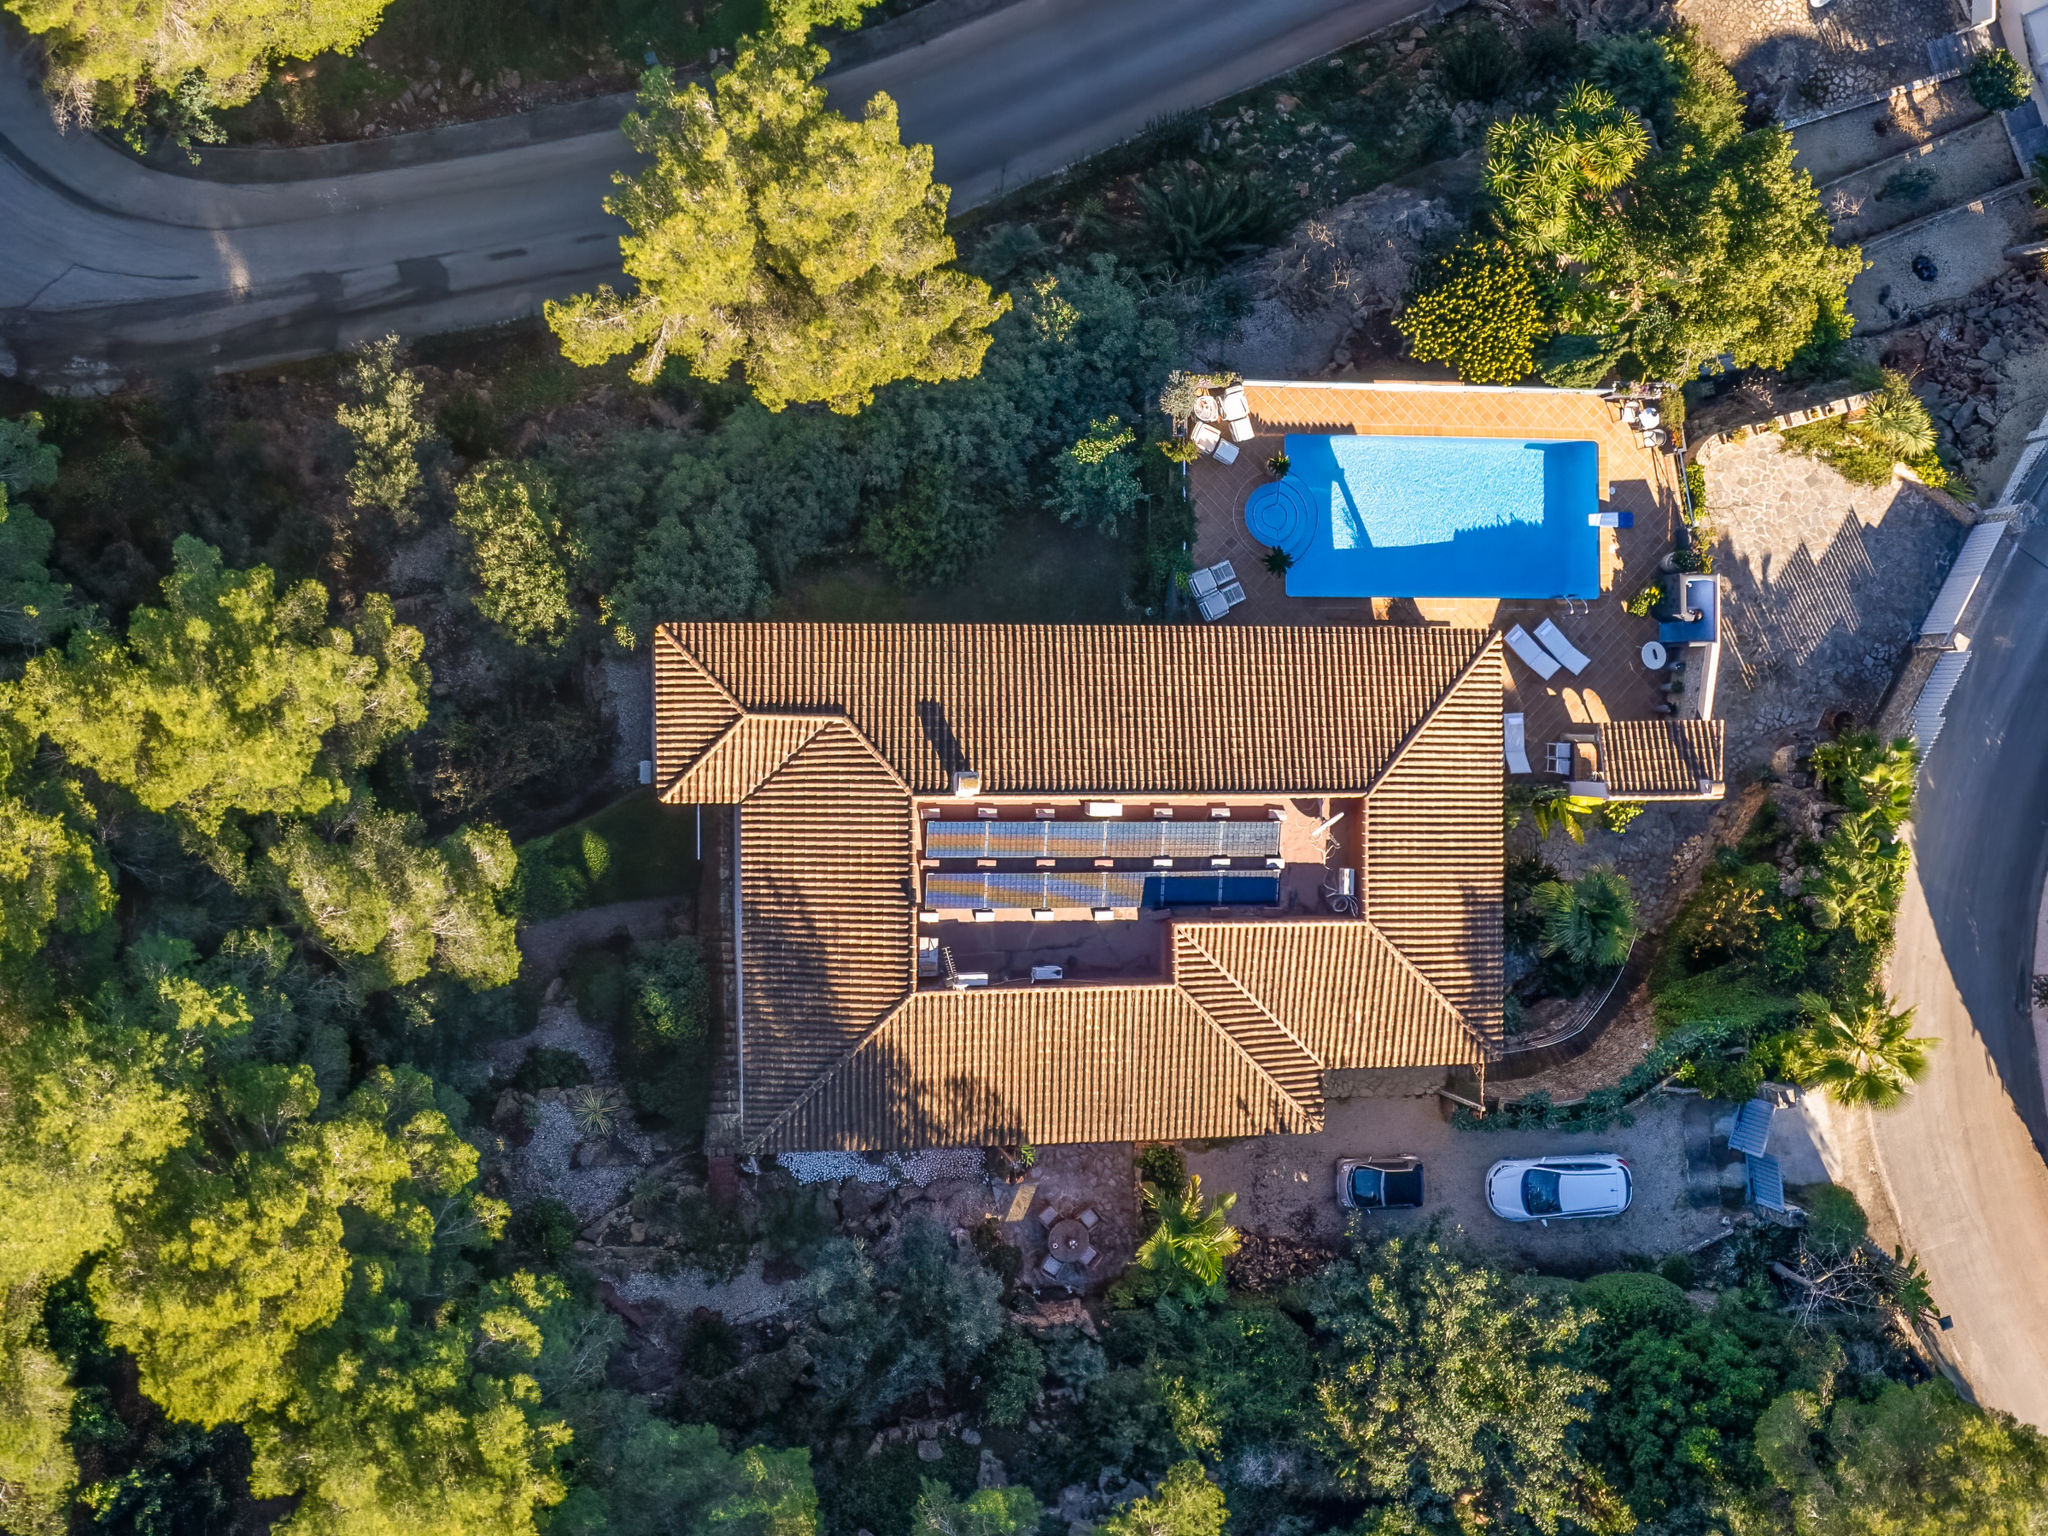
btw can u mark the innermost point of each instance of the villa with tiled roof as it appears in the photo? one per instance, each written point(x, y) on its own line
point(982, 884)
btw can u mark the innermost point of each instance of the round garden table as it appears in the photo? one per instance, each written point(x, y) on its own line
point(1654, 655)
point(1067, 1241)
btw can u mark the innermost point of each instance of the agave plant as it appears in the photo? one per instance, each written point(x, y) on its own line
point(1861, 1054)
point(1201, 221)
point(596, 1111)
point(1188, 1247)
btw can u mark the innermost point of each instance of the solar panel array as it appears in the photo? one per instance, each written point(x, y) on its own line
point(1105, 839)
point(1126, 888)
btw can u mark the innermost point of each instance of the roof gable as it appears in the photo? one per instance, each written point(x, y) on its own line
point(1099, 709)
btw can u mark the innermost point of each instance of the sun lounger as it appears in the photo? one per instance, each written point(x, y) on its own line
point(1202, 582)
point(1206, 437)
point(1534, 657)
point(1212, 606)
point(1554, 642)
point(1235, 406)
point(1232, 594)
point(1611, 519)
point(1224, 572)
point(1242, 430)
point(1516, 743)
point(1226, 453)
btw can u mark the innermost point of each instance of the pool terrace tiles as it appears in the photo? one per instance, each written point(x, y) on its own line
point(1616, 686)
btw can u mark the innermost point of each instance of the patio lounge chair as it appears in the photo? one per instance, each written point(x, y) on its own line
point(1554, 642)
point(1232, 594)
point(1235, 406)
point(1611, 519)
point(1534, 657)
point(1212, 606)
point(1224, 572)
point(1202, 582)
point(1242, 430)
point(1516, 743)
point(1206, 438)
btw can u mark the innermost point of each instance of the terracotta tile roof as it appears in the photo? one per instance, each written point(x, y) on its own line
point(1081, 709)
point(1043, 1064)
point(824, 733)
point(1661, 759)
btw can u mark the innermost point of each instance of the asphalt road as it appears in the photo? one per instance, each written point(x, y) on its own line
point(110, 269)
point(1961, 1162)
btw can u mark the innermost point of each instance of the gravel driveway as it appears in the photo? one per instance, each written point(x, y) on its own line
point(1287, 1184)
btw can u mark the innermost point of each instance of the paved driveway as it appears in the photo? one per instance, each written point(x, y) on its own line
point(1287, 1184)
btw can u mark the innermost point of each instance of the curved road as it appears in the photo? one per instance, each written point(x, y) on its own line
point(109, 268)
point(1960, 1163)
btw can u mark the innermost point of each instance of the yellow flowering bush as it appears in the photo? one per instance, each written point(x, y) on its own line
point(1479, 311)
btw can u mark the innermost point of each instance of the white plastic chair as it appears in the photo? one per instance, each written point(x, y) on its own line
point(1226, 453)
point(1206, 438)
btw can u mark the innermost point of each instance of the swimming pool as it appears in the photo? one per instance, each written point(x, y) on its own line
point(1434, 517)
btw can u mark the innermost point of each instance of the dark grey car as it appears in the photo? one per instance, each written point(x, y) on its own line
point(1379, 1183)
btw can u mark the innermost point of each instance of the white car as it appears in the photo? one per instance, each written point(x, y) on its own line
point(1578, 1185)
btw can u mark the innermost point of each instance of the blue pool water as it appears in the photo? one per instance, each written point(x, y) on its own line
point(1434, 517)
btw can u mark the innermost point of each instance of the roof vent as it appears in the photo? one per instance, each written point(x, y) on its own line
point(966, 783)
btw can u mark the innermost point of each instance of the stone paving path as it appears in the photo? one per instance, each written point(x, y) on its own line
point(1825, 586)
point(1799, 60)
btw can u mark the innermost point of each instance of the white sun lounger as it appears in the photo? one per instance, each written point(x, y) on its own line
point(1554, 642)
point(1517, 743)
point(1534, 657)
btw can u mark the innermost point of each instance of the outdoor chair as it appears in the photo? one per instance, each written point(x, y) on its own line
point(1206, 408)
point(1204, 436)
point(1088, 1218)
point(1048, 1215)
point(1051, 1266)
point(1224, 572)
point(1534, 657)
point(1242, 430)
point(1575, 660)
point(1212, 606)
point(1085, 1257)
point(1235, 406)
point(1515, 743)
point(1202, 582)
point(1226, 453)
point(1557, 758)
point(1232, 595)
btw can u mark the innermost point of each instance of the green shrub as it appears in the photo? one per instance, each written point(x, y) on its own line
point(1012, 1374)
point(663, 1045)
point(1478, 63)
point(1160, 1163)
point(1616, 815)
point(1909, 186)
point(1478, 309)
point(1999, 81)
point(1628, 1301)
point(1680, 1270)
point(546, 1228)
point(597, 979)
point(1645, 602)
point(547, 1066)
point(1835, 1222)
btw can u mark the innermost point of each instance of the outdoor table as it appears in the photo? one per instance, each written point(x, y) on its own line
point(1067, 1241)
point(1653, 655)
point(1206, 408)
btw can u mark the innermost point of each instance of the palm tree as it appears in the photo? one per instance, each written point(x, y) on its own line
point(1896, 420)
point(1188, 1247)
point(1862, 876)
point(1553, 176)
point(1863, 1054)
point(1591, 922)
